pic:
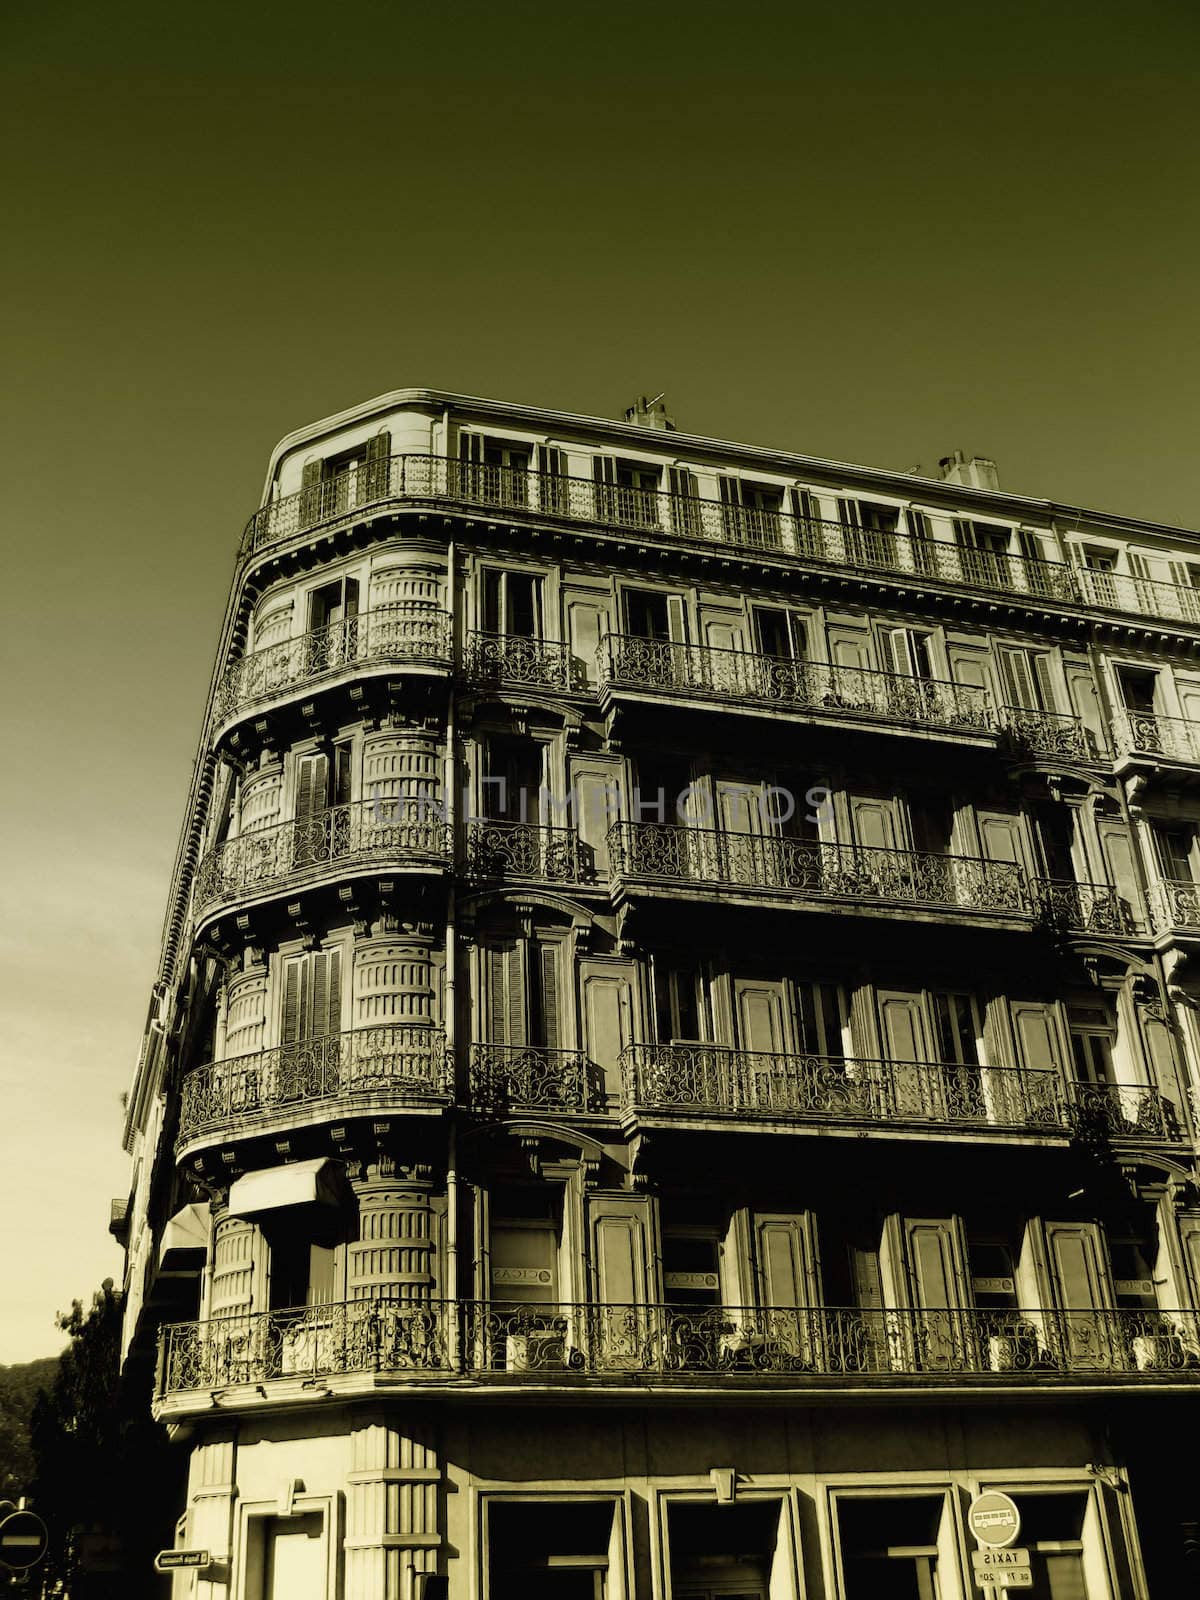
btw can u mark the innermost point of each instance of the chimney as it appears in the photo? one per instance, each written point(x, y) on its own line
point(976, 473)
point(650, 413)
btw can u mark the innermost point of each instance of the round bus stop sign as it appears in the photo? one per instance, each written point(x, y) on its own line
point(994, 1519)
point(23, 1540)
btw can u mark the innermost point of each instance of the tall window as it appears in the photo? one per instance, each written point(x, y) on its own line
point(1092, 1039)
point(523, 992)
point(681, 1002)
point(495, 471)
point(513, 778)
point(956, 1027)
point(907, 652)
point(650, 614)
point(751, 511)
point(1026, 678)
point(627, 491)
point(312, 996)
point(1176, 848)
point(1139, 689)
point(780, 633)
point(512, 604)
point(823, 1019)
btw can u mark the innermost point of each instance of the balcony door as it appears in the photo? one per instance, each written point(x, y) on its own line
point(495, 471)
point(514, 778)
point(322, 781)
point(935, 1270)
point(511, 604)
point(531, 1330)
point(310, 1022)
point(768, 1077)
point(906, 1089)
point(1079, 1283)
point(522, 989)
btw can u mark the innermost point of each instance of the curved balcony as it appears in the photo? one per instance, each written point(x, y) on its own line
point(1175, 907)
point(526, 850)
point(370, 833)
point(837, 545)
point(1057, 735)
point(800, 871)
point(691, 1081)
point(524, 663)
point(1147, 735)
point(518, 1078)
point(436, 1342)
point(407, 634)
point(1128, 1111)
point(739, 678)
point(1083, 907)
point(388, 1064)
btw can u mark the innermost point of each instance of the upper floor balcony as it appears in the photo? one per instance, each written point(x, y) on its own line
point(366, 833)
point(1084, 907)
point(389, 1066)
point(521, 662)
point(408, 634)
point(1147, 736)
point(686, 1082)
point(533, 1078)
point(1175, 907)
point(527, 850)
point(518, 491)
point(1049, 735)
point(807, 873)
point(734, 1347)
point(1128, 1112)
point(662, 669)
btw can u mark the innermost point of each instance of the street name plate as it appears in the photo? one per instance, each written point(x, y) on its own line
point(169, 1560)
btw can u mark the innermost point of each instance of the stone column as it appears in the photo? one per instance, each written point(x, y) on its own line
point(212, 1493)
point(246, 1009)
point(420, 580)
point(392, 1509)
point(262, 795)
point(234, 1249)
point(402, 769)
point(394, 1256)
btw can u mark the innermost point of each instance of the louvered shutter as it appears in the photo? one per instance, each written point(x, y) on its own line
point(676, 619)
point(1044, 681)
point(292, 1020)
point(312, 786)
point(375, 470)
point(1019, 687)
point(685, 504)
point(506, 994)
point(604, 471)
point(350, 598)
point(548, 984)
point(887, 651)
point(310, 484)
point(341, 774)
point(683, 482)
point(552, 478)
point(848, 512)
point(326, 1011)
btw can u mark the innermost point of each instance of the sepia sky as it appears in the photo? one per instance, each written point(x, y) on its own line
point(873, 232)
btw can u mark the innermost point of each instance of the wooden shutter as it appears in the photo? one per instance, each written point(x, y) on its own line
point(375, 471)
point(506, 994)
point(1037, 1035)
point(620, 1250)
point(547, 956)
point(1020, 686)
point(683, 483)
point(903, 1026)
point(292, 1022)
point(848, 512)
point(887, 649)
point(342, 767)
point(1044, 679)
point(784, 1258)
point(676, 619)
point(326, 1006)
point(312, 786)
point(550, 461)
point(310, 483)
point(470, 448)
point(759, 1009)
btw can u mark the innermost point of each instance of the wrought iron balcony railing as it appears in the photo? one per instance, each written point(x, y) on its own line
point(407, 632)
point(804, 869)
point(530, 663)
point(1057, 734)
point(713, 1080)
point(1140, 733)
point(365, 830)
point(528, 1077)
point(742, 1344)
point(525, 850)
point(1127, 1111)
point(834, 544)
point(403, 1060)
point(1086, 907)
point(305, 1342)
point(1175, 905)
point(743, 676)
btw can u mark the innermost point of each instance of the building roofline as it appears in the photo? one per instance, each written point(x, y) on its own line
point(899, 482)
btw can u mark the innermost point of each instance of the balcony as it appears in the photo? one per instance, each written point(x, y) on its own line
point(1056, 735)
point(367, 832)
point(1083, 907)
point(803, 1347)
point(512, 492)
point(1175, 907)
point(1127, 1111)
point(801, 871)
point(533, 1078)
point(388, 1064)
point(526, 850)
point(662, 668)
point(689, 1081)
point(408, 634)
point(524, 663)
point(1146, 735)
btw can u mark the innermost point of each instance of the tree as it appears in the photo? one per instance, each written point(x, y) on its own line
point(101, 1464)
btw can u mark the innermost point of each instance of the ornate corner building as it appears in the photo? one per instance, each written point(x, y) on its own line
point(673, 1058)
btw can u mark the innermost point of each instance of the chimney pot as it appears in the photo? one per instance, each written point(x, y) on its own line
point(646, 413)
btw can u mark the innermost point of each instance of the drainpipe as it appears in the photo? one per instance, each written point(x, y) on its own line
point(450, 783)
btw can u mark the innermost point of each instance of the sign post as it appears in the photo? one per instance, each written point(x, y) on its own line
point(23, 1540)
point(997, 1566)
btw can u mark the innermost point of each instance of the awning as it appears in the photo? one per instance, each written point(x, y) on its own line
point(299, 1183)
point(184, 1242)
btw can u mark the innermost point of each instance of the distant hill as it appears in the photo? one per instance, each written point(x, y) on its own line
point(19, 1387)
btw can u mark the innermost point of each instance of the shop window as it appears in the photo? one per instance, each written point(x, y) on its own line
point(553, 1550)
point(727, 1552)
point(1053, 1528)
point(893, 1546)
